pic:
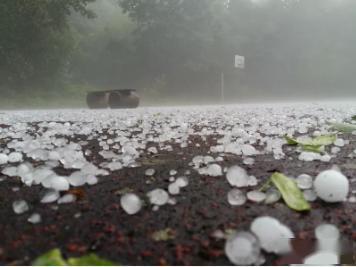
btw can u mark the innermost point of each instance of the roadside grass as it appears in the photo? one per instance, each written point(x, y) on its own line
point(71, 96)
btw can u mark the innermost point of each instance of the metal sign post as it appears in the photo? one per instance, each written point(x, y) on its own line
point(239, 64)
point(222, 87)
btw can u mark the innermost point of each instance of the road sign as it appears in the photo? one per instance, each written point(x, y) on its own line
point(239, 62)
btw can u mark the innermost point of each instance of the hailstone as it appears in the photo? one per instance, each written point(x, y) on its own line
point(331, 186)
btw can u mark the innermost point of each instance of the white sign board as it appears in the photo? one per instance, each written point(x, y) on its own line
point(239, 62)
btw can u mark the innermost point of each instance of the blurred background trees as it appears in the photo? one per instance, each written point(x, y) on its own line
point(177, 49)
point(36, 42)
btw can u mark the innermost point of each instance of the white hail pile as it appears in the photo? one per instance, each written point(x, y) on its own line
point(62, 138)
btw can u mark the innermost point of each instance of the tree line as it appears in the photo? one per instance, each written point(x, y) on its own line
point(179, 47)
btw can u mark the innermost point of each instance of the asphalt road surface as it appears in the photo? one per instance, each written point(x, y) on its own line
point(63, 174)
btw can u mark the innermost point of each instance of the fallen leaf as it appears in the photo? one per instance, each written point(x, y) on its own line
point(315, 144)
point(291, 141)
point(123, 191)
point(322, 140)
point(291, 194)
point(153, 161)
point(163, 235)
point(78, 192)
point(311, 148)
point(343, 127)
point(89, 260)
point(51, 258)
point(265, 186)
point(54, 258)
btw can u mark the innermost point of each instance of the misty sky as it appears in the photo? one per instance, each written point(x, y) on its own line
point(178, 49)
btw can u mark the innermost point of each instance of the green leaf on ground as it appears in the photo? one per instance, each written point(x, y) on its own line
point(51, 258)
point(163, 235)
point(323, 140)
point(266, 185)
point(353, 118)
point(89, 260)
point(123, 191)
point(291, 194)
point(291, 141)
point(316, 149)
point(154, 161)
point(54, 258)
point(315, 144)
point(343, 127)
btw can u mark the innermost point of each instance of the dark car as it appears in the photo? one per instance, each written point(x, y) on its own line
point(118, 98)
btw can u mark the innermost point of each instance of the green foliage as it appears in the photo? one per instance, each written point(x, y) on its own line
point(89, 260)
point(313, 148)
point(36, 43)
point(315, 144)
point(104, 56)
point(163, 235)
point(344, 127)
point(51, 258)
point(67, 96)
point(178, 48)
point(191, 42)
point(176, 39)
point(322, 140)
point(291, 194)
point(291, 141)
point(54, 258)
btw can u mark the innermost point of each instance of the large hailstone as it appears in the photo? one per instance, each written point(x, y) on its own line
point(328, 236)
point(41, 174)
point(3, 159)
point(243, 249)
point(256, 196)
point(211, 170)
point(15, 157)
point(10, 171)
point(331, 186)
point(131, 203)
point(237, 176)
point(236, 197)
point(158, 197)
point(34, 218)
point(20, 206)
point(322, 258)
point(50, 196)
point(77, 178)
point(59, 183)
point(274, 236)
